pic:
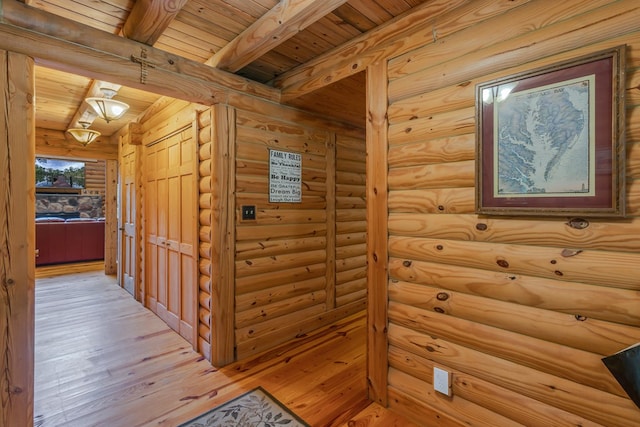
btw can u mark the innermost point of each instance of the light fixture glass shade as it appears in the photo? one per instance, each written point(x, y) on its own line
point(108, 109)
point(84, 136)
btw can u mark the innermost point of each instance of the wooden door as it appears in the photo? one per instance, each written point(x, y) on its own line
point(170, 232)
point(127, 227)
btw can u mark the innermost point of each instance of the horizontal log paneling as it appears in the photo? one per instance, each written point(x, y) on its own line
point(257, 266)
point(433, 200)
point(468, 412)
point(278, 293)
point(584, 401)
point(291, 326)
point(345, 239)
point(279, 308)
point(285, 259)
point(452, 149)
point(589, 266)
point(258, 154)
point(351, 297)
point(308, 202)
point(519, 309)
point(292, 143)
point(351, 227)
point(276, 230)
point(530, 15)
point(264, 248)
point(454, 174)
point(557, 359)
point(206, 251)
point(441, 125)
point(595, 26)
point(353, 274)
point(351, 284)
point(585, 300)
point(355, 286)
point(517, 407)
point(597, 234)
point(351, 263)
point(351, 202)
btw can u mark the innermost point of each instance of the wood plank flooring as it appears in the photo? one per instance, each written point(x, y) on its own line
point(103, 360)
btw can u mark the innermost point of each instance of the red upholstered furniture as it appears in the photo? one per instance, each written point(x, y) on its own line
point(69, 241)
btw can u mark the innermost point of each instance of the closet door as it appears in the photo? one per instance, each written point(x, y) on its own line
point(129, 248)
point(171, 232)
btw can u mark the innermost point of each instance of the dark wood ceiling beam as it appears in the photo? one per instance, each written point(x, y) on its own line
point(284, 21)
point(148, 19)
point(69, 46)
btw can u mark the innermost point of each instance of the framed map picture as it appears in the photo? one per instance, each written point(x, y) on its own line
point(551, 141)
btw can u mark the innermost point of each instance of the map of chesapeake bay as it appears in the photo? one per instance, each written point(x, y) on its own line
point(542, 141)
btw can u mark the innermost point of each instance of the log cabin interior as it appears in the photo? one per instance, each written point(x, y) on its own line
point(377, 98)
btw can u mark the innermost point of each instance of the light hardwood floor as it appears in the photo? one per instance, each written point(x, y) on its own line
point(103, 360)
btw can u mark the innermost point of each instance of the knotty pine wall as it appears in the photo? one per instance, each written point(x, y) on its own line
point(298, 266)
point(291, 274)
point(520, 310)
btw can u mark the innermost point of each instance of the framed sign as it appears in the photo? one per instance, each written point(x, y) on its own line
point(285, 177)
point(551, 141)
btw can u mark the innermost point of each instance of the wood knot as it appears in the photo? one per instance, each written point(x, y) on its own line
point(440, 208)
point(558, 273)
point(406, 263)
point(481, 227)
point(438, 310)
point(570, 252)
point(578, 223)
point(553, 261)
point(503, 263)
point(442, 296)
point(408, 130)
point(580, 318)
point(439, 247)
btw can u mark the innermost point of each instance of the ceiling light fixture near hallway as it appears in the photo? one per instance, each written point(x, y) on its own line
point(84, 135)
point(107, 108)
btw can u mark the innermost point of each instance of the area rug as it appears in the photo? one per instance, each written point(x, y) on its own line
point(256, 408)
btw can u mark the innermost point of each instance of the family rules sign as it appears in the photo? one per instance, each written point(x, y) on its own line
point(285, 177)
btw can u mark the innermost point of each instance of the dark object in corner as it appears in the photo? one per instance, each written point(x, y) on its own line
point(625, 367)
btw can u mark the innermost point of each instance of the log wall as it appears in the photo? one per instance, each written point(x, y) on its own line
point(298, 266)
point(520, 310)
point(301, 265)
point(206, 274)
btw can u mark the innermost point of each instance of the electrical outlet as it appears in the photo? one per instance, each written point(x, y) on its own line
point(248, 212)
point(442, 381)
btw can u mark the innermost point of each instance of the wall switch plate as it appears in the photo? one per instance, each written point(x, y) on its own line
point(248, 212)
point(442, 381)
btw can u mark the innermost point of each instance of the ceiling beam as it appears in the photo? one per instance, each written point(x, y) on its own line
point(356, 55)
point(148, 19)
point(284, 21)
point(146, 22)
point(69, 46)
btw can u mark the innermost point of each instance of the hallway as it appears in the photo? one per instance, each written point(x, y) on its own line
point(103, 360)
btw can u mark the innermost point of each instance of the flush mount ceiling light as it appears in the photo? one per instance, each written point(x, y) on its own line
point(107, 108)
point(84, 136)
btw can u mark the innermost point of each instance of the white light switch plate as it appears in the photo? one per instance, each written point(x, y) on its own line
point(442, 381)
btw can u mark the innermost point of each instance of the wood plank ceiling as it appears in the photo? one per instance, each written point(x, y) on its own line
point(265, 41)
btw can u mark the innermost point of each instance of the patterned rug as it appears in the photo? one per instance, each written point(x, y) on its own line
point(256, 408)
